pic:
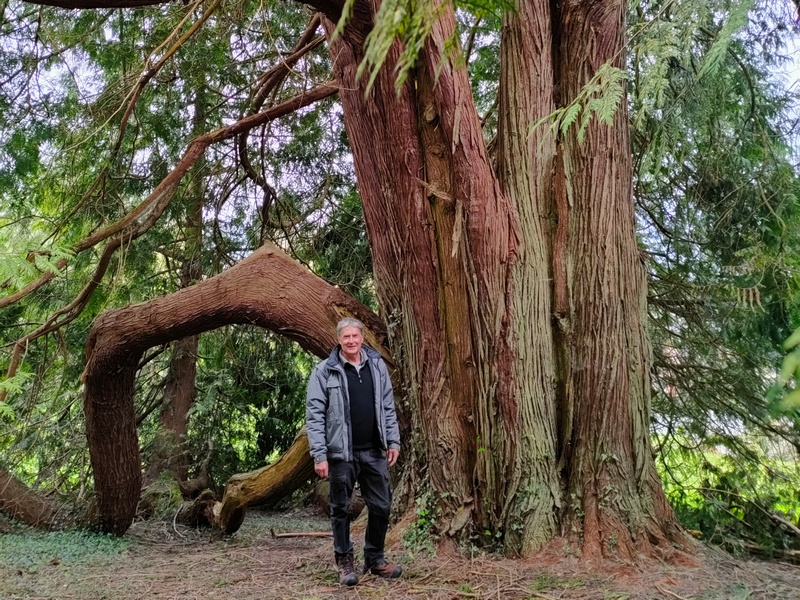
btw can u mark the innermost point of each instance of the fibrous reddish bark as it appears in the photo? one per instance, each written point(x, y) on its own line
point(267, 289)
point(20, 502)
point(615, 498)
point(524, 168)
point(430, 197)
point(517, 275)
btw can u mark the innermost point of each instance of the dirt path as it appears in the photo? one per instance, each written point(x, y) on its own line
point(159, 560)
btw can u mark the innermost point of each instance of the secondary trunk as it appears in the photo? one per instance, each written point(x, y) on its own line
point(524, 167)
point(615, 500)
point(179, 388)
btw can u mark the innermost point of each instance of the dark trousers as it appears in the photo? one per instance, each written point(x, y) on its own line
point(370, 469)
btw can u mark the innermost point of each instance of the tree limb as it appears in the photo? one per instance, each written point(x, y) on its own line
point(91, 4)
point(22, 503)
point(168, 185)
point(267, 83)
point(150, 71)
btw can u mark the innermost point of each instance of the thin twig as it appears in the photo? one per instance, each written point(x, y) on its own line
point(174, 524)
point(669, 593)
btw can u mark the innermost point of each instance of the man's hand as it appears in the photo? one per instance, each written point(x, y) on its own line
point(391, 456)
point(321, 469)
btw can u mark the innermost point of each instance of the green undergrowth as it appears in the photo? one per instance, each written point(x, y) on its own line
point(30, 549)
point(744, 506)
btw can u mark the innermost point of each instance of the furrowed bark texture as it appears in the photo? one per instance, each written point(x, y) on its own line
point(525, 162)
point(383, 131)
point(609, 467)
point(268, 289)
point(515, 299)
point(442, 238)
point(483, 237)
point(20, 502)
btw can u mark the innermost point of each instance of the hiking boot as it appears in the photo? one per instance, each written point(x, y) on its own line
point(347, 570)
point(385, 569)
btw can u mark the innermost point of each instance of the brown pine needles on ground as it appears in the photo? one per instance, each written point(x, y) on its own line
point(166, 561)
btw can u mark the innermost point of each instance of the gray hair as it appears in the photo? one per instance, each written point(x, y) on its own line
point(348, 322)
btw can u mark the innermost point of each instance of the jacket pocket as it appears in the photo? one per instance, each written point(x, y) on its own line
point(334, 430)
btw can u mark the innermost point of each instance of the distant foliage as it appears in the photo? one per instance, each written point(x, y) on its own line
point(717, 189)
point(728, 505)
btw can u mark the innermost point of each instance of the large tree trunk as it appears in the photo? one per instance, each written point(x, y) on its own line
point(615, 498)
point(267, 289)
point(482, 384)
point(418, 301)
point(521, 332)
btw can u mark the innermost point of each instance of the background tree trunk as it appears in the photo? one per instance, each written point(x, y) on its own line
point(179, 388)
point(524, 167)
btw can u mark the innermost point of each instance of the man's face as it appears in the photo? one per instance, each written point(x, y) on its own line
point(351, 339)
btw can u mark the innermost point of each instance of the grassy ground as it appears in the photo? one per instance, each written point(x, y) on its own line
point(165, 561)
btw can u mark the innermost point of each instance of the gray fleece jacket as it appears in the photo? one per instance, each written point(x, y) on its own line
point(328, 408)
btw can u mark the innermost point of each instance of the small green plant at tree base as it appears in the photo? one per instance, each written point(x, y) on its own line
point(421, 536)
point(739, 591)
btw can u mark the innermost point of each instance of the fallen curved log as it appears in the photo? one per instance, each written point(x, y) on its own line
point(263, 486)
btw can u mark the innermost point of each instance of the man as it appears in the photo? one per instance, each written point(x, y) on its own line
point(353, 434)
